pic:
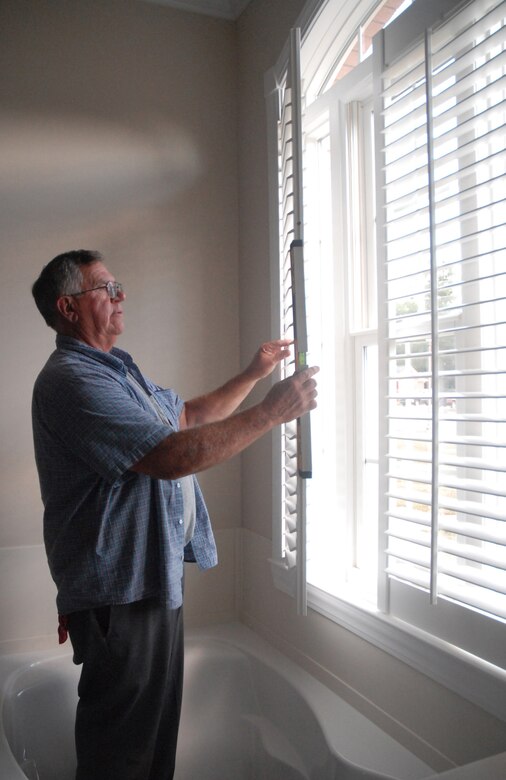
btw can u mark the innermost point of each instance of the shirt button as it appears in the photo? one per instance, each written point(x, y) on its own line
point(180, 521)
point(178, 484)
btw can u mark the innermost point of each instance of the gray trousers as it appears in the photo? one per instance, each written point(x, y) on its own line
point(130, 690)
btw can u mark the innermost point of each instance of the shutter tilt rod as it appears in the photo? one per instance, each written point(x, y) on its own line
point(434, 330)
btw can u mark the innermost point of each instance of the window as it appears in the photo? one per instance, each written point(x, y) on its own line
point(342, 313)
point(444, 277)
point(404, 175)
point(361, 45)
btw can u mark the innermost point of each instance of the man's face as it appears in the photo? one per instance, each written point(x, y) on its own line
point(99, 320)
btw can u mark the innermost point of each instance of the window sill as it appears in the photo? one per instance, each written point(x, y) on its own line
point(464, 674)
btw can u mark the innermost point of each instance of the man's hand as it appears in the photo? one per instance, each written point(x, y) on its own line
point(268, 357)
point(292, 397)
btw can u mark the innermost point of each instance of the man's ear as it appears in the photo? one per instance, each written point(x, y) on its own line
point(65, 306)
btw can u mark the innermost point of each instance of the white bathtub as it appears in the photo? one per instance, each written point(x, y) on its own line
point(248, 714)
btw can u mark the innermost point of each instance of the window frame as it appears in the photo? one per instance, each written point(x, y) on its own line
point(467, 675)
point(332, 109)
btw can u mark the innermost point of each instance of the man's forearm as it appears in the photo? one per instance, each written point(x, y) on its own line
point(196, 449)
point(220, 403)
point(224, 401)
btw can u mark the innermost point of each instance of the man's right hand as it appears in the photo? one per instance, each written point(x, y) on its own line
point(292, 397)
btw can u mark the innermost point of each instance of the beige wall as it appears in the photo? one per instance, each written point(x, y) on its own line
point(439, 726)
point(117, 132)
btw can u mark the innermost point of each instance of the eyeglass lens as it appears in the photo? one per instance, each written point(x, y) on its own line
point(114, 289)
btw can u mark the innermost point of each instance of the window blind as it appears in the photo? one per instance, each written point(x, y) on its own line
point(292, 277)
point(443, 294)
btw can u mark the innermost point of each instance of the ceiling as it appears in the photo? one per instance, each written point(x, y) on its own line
point(222, 9)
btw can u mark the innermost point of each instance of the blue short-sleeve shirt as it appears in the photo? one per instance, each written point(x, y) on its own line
point(112, 536)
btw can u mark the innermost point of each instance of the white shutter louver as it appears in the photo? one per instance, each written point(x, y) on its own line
point(443, 172)
point(295, 434)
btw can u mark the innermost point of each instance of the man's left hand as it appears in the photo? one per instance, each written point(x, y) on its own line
point(268, 356)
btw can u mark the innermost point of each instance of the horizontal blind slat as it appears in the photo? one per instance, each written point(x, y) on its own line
point(462, 528)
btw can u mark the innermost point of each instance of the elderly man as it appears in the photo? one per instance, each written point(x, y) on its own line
point(116, 456)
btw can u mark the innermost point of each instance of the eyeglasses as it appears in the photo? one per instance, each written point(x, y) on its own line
point(113, 290)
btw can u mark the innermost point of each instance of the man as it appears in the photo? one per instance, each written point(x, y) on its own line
point(116, 456)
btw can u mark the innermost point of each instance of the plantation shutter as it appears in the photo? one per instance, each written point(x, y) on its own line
point(295, 435)
point(443, 288)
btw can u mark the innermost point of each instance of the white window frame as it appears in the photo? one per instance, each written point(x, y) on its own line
point(352, 293)
point(467, 675)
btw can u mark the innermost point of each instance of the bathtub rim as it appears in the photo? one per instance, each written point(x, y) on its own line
point(12, 665)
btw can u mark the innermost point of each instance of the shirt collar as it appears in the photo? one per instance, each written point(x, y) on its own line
point(116, 358)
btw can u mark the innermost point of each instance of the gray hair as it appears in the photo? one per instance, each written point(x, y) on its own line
point(62, 276)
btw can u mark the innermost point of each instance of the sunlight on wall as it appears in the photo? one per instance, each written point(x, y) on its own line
point(80, 169)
